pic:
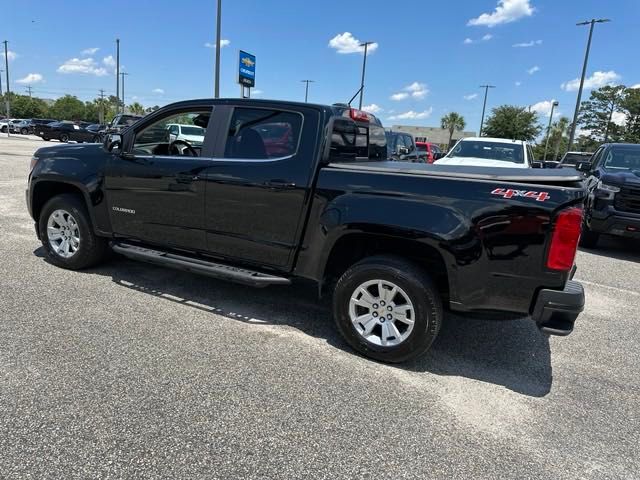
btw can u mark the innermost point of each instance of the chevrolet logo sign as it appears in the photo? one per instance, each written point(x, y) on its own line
point(247, 62)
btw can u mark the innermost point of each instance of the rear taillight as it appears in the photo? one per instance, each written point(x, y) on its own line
point(359, 115)
point(564, 242)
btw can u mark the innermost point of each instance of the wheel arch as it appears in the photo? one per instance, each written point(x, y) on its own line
point(44, 190)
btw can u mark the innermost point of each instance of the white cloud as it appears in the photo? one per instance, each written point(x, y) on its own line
point(635, 86)
point(347, 43)
point(223, 43)
point(85, 65)
point(417, 90)
point(533, 70)
point(109, 61)
point(373, 108)
point(411, 115)
point(399, 96)
point(596, 80)
point(527, 44)
point(255, 91)
point(30, 79)
point(507, 11)
point(544, 108)
point(518, 84)
point(158, 91)
point(89, 51)
point(471, 96)
point(486, 37)
point(467, 41)
point(10, 54)
point(619, 118)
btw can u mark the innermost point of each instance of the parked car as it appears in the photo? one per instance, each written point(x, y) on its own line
point(120, 122)
point(393, 243)
point(571, 159)
point(613, 183)
point(15, 124)
point(66, 132)
point(97, 129)
point(4, 125)
point(189, 133)
point(401, 147)
point(490, 152)
point(36, 122)
point(428, 152)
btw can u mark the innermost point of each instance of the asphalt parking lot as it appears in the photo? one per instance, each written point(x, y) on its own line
point(129, 370)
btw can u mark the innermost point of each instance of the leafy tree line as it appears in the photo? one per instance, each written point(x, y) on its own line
point(71, 108)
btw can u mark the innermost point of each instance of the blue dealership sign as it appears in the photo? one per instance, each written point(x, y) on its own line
point(247, 69)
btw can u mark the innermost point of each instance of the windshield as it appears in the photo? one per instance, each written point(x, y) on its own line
point(506, 152)
point(573, 158)
point(192, 131)
point(622, 159)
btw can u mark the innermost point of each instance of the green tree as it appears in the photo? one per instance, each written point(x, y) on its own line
point(152, 109)
point(510, 121)
point(91, 112)
point(23, 106)
point(452, 121)
point(597, 112)
point(631, 109)
point(136, 108)
point(68, 108)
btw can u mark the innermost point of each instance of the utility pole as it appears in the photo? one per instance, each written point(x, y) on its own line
point(364, 67)
point(554, 104)
point(6, 70)
point(29, 89)
point(591, 22)
point(306, 89)
point(123, 74)
point(216, 92)
point(1, 71)
point(101, 106)
point(118, 70)
point(484, 105)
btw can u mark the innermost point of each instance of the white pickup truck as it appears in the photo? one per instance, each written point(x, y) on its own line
point(490, 152)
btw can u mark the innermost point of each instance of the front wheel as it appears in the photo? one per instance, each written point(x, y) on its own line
point(66, 234)
point(387, 308)
point(24, 131)
point(64, 138)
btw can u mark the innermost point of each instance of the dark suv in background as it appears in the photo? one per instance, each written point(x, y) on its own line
point(613, 204)
point(401, 147)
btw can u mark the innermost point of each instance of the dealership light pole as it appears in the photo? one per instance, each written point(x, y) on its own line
point(1, 81)
point(364, 67)
point(591, 22)
point(484, 105)
point(118, 69)
point(6, 71)
point(217, 77)
point(554, 104)
point(306, 89)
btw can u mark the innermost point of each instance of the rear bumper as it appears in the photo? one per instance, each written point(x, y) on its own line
point(555, 311)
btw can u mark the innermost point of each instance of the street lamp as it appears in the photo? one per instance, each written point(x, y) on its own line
point(591, 22)
point(217, 77)
point(306, 89)
point(123, 74)
point(484, 105)
point(6, 70)
point(364, 66)
point(546, 145)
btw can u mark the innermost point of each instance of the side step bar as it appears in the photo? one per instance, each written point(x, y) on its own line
point(196, 265)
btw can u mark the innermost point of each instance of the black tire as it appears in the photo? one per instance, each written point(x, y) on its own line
point(45, 139)
point(92, 249)
point(24, 131)
point(421, 291)
point(589, 238)
point(96, 139)
point(64, 138)
point(3, 129)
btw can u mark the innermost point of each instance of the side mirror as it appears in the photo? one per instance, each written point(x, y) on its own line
point(112, 142)
point(583, 166)
point(438, 155)
point(403, 150)
point(536, 164)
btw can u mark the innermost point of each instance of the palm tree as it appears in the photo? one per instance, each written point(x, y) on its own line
point(560, 129)
point(136, 108)
point(452, 122)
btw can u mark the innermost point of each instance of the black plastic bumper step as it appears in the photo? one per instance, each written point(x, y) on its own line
point(196, 265)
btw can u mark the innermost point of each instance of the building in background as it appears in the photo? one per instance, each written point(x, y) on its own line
point(435, 135)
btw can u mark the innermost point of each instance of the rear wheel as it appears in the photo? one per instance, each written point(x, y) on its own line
point(387, 308)
point(24, 131)
point(67, 235)
point(64, 138)
point(3, 129)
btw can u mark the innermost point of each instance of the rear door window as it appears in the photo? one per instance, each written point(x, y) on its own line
point(258, 134)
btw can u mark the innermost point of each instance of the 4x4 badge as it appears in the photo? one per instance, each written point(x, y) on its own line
point(510, 193)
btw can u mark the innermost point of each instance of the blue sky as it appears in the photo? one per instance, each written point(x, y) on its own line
point(430, 56)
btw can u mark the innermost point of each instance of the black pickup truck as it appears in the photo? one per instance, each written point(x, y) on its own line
point(279, 192)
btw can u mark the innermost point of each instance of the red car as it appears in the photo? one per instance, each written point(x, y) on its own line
point(427, 151)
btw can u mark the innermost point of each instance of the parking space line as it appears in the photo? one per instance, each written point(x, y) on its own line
point(609, 287)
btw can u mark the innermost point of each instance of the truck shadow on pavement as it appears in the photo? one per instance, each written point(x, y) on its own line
point(618, 248)
point(513, 354)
